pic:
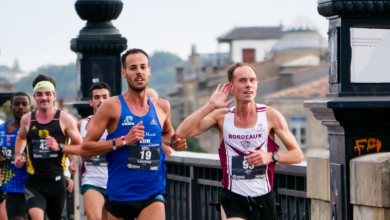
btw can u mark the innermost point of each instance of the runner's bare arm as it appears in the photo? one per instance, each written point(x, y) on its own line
point(280, 127)
point(91, 146)
point(72, 133)
point(21, 139)
point(168, 131)
point(206, 117)
point(73, 164)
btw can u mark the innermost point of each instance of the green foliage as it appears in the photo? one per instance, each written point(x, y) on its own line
point(65, 77)
point(193, 145)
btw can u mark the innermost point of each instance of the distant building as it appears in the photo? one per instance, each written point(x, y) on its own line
point(292, 68)
point(11, 75)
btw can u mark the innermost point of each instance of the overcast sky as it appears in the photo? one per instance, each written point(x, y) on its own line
point(38, 32)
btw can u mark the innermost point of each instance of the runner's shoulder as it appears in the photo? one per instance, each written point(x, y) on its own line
point(219, 114)
point(26, 118)
point(162, 103)
point(110, 104)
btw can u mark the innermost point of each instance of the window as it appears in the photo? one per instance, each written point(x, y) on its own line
point(248, 55)
point(298, 128)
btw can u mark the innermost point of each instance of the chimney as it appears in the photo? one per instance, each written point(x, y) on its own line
point(179, 74)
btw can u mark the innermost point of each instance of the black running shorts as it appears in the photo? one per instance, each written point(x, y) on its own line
point(46, 193)
point(2, 195)
point(251, 208)
point(131, 210)
point(16, 205)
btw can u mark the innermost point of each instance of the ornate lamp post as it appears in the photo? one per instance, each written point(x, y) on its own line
point(356, 110)
point(98, 47)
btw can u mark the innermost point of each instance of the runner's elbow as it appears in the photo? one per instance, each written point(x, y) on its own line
point(83, 153)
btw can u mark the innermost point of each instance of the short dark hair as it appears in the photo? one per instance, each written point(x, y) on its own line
point(99, 85)
point(233, 67)
point(20, 94)
point(41, 77)
point(132, 51)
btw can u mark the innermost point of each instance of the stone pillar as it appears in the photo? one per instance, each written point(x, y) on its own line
point(318, 185)
point(355, 112)
point(370, 186)
point(98, 47)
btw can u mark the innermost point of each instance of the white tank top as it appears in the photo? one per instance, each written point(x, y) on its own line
point(238, 176)
point(94, 170)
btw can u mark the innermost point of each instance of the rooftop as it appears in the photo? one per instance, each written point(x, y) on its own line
point(252, 33)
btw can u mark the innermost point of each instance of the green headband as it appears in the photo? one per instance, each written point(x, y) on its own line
point(44, 84)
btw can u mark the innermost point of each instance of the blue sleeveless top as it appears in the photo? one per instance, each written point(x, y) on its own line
point(13, 178)
point(136, 172)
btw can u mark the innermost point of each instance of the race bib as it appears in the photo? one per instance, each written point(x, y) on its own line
point(41, 151)
point(241, 170)
point(8, 153)
point(97, 161)
point(144, 158)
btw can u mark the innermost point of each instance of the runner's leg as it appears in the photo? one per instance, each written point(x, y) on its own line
point(155, 211)
point(104, 214)
point(3, 212)
point(36, 213)
point(93, 204)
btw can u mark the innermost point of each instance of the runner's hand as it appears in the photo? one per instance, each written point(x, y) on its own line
point(135, 134)
point(72, 167)
point(2, 158)
point(258, 158)
point(52, 143)
point(177, 143)
point(70, 184)
point(19, 161)
point(219, 97)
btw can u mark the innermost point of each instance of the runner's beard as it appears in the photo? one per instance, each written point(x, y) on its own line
point(135, 88)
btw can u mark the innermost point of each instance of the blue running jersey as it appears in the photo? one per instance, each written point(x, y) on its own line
point(136, 172)
point(13, 178)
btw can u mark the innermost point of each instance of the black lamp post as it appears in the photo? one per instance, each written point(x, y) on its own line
point(98, 47)
point(356, 112)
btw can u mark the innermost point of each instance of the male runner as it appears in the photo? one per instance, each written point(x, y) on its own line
point(13, 179)
point(137, 127)
point(94, 172)
point(46, 132)
point(248, 152)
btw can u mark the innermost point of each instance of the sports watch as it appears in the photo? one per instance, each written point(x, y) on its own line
point(61, 147)
point(275, 157)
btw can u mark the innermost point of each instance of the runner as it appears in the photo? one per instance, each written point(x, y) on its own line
point(248, 152)
point(137, 127)
point(46, 132)
point(94, 172)
point(13, 179)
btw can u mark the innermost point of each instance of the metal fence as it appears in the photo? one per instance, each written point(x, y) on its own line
point(194, 180)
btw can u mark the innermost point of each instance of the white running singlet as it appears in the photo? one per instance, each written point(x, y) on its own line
point(238, 176)
point(94, 170)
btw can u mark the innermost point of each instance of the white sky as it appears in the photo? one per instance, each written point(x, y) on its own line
point(38, 32)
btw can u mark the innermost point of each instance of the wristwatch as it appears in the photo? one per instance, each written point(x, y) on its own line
point(275, 157)
point(61, 147)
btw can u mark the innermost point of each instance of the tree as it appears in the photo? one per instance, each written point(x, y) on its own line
point(193, 145)
point(64, 75)
point(16, 66)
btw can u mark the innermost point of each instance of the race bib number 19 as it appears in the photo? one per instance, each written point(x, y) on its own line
point(144, 158)
point(240, 169)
